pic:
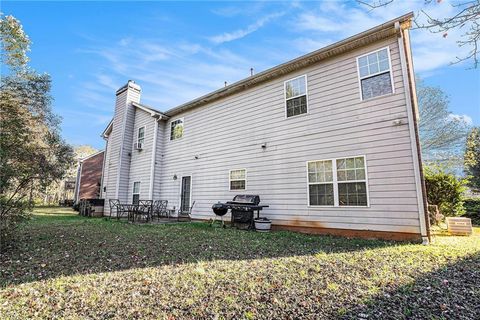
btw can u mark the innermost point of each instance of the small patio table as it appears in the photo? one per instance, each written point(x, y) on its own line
point(134, 209)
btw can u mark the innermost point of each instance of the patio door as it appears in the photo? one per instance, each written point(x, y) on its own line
point(186, 193)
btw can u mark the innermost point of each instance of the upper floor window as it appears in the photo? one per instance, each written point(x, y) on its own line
point(176, 129)
point(375, 73)
point(141, 135)
point(296, 96)
point(238, 179)
point(338, 182)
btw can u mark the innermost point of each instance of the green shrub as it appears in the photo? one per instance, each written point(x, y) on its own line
point(445, 191)
point(472, 208)
point(12, 213)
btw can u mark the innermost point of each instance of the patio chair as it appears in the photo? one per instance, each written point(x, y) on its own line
point(113, 203)
point(144, 209)
point(160, 208)
point(119, 209)
point(185, 215)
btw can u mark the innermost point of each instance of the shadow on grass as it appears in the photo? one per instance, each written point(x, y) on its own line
point(56, 243)
point(451, 292)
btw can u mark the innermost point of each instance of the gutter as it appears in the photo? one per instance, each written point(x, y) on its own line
point(410, 96)
point(381, 31)
point(78, 182)
point(102, 180)
point(104, 134)
point(153, 112)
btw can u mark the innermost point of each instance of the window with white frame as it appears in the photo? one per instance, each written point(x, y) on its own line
point(141, 135)
point(374, 71)
point(296, 96)
point(338, 182)
point(320, 183)
point(238, 179)
point(136, 192)
point(176, 129)
point(352, 183)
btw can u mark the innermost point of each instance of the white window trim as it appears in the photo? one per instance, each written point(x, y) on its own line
point(336, 182)
point(139, 189)
point(170, 127)
point(180, 190)
point(375, 74)
point(285, 96)
point(230, 180)
point(144, 133)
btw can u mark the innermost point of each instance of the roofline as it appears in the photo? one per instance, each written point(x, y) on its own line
point(381, 31)
point(92, 155)
point(152, 111)
point(109, 126)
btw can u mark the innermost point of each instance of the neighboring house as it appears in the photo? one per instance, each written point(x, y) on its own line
point(328, 140)
point(89, 177)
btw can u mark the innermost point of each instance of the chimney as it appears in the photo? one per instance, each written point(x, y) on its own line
point(130, 92)
point(122, 132)
point(252, 72)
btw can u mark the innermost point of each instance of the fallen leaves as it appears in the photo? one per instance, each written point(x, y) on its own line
point(109, 269)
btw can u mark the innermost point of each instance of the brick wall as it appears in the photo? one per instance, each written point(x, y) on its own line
point(91, 177)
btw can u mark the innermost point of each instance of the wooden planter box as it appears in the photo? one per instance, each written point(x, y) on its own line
point(459, 226)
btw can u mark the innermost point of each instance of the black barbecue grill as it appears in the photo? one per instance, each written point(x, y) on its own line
point(243, 207)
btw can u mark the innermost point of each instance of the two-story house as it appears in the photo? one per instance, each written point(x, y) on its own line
point(328, 140)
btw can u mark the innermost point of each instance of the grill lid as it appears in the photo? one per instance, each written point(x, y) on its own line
point(246, 199)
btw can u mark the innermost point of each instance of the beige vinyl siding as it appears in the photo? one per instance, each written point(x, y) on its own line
point(113, 151)
point(163, 131)
point(229, 133)
point(141, 160)
point(124, 187)
point(120, 137)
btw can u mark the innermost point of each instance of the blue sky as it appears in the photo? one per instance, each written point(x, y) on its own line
point(178, 51)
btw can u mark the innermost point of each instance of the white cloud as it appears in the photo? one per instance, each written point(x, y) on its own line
point(168, 77)
point(310, 21)
point(248, 8)
point(107, 81)
point(337, 21)
point(174, 72)
point(240, 33)
point(228, 11)
point(309, 45)
point(125, 42)
point(462, 118)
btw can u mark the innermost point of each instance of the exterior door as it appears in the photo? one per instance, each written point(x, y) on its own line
point(186, 192)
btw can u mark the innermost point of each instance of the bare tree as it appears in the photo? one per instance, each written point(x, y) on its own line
point(442, 134)
point(466, 17)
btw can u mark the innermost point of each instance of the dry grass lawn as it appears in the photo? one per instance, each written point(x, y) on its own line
point(66, 266)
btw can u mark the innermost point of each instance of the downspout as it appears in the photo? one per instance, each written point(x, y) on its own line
point(414, 137)
point(154, 153)
point(102, 181)
point(78, 182)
